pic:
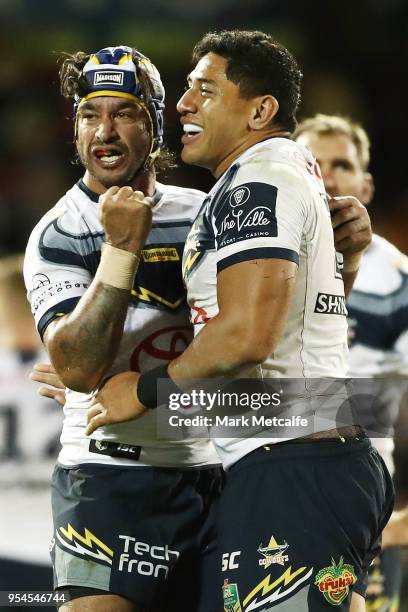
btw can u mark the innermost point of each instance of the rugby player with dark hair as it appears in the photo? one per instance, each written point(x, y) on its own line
point(302, 512)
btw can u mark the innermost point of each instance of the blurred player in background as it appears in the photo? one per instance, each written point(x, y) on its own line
point(129, 509)
point(29, 442)
point(378, 313)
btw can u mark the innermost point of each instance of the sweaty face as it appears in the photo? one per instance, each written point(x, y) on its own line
point(112, 141)
point(341, 169)
point(213, 116)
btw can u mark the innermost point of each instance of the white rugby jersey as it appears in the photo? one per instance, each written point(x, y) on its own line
point(378, 325)
point(271, 203)
point(62, 257)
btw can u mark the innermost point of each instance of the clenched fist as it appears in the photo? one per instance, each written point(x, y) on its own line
point(126, 216)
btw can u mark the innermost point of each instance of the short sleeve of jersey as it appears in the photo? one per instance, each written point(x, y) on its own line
point(57, 266)
point(261, 215)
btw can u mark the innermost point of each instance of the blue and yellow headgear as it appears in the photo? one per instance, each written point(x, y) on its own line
point(113, 71)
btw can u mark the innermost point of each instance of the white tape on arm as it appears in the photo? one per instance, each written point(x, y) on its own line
point(117, 267)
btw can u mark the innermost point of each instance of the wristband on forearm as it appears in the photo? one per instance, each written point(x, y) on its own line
point(146, 387)
point(117, 267)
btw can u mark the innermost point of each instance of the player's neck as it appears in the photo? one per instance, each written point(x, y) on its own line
point(253, 138)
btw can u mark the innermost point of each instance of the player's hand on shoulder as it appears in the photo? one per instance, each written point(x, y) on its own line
point(126, 216)
point(115, 402)
point(46, 374)
point(351, 225)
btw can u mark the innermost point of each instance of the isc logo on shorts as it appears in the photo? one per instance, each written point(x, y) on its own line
point(145, 559)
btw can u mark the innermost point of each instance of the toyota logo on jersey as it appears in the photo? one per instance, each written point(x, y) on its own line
point(163, 345)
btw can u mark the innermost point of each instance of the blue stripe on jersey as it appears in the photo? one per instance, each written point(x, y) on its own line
point(379, 331)
point(62, 308)
point(379, 320)
point(168, 234)
point(180, 223)
point(259, 253)
point(81, 250)
point(54, 226)
point(89, 262)
point(381, 304)
point(158, 283)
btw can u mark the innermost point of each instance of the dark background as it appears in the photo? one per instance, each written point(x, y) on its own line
point(353, 55)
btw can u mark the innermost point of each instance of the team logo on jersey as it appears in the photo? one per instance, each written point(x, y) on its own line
point(150, 297)
point(269, 590)
point(327, 303)
point(273, 553)
point(335, 581)
point(160, 254)
point(193, 248)
point(231, 597)
point(87, 545)
point(239, 196)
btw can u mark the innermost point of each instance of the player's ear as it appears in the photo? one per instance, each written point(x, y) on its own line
point(263, 110)
point(367, 192)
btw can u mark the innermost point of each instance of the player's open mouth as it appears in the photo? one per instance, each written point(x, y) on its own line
point(108, 157)
point(191, 132)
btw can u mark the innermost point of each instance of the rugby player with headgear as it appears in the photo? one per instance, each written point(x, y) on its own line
point(132, 519)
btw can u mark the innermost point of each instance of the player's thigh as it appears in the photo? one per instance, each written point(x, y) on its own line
point(188, 587)
point(357, 603)
point(127, 530)
point(296, 525)
point(114, 530)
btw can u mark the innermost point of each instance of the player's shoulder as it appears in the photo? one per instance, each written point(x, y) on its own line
point(72, 213)
point(70, 226)
point(383, 270)
point(382, 248)
point(385, 256)
point(177, 203)
point(279, 161)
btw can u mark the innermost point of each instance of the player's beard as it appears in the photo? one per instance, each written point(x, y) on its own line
point(109, 178)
